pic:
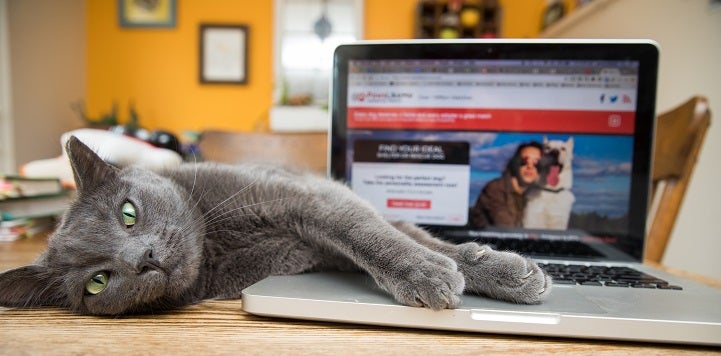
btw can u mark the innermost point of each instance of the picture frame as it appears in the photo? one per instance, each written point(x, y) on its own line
point(147, 13)
point(223, 54)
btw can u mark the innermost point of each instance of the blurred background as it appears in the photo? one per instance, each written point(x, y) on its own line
point(65, 64)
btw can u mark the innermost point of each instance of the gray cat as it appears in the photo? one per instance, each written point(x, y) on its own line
point(134, 241)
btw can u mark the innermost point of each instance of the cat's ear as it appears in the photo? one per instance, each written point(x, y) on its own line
point(30, 286)
point(89, 170)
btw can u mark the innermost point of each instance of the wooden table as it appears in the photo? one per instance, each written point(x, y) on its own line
point(222, 327)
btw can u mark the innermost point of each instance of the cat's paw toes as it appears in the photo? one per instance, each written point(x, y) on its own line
point(431, 289)
point(503, 275)
point(433, 283)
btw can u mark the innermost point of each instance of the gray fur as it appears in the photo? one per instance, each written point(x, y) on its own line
point(209, 230)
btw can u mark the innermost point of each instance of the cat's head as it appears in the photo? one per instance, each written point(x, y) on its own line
point(130, 242)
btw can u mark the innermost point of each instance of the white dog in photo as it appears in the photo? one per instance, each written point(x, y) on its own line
point(550, 206)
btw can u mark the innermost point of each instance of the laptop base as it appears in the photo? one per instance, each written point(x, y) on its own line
point(355, 298)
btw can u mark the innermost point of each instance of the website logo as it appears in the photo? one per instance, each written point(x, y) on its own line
point(380, 97)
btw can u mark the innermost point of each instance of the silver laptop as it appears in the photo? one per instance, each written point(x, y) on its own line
point(420, 129)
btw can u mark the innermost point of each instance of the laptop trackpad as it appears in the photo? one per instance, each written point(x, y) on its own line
point(563, 299)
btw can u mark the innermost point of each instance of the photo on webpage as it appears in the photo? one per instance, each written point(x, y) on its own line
point(590, 195)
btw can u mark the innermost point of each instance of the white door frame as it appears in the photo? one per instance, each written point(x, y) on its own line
point(7, 142)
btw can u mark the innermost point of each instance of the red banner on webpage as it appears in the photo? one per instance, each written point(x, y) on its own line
point(607, 122)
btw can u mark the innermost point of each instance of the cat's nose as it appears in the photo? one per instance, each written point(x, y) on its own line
point(140, 259)
point(147, 262)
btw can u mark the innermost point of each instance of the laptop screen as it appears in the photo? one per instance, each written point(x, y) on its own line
point(537, 144)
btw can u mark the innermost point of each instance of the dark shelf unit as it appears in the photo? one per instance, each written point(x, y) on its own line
point(436, 19)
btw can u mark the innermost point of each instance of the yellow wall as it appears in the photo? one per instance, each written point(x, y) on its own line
point(389, 19)
point(523, 18)
point(157, 69)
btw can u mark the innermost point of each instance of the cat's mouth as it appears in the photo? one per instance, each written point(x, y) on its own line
point(151, 265)
point(146, 261)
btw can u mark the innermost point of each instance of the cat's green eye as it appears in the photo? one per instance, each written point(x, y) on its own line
point(129, 215)
point(97, 284)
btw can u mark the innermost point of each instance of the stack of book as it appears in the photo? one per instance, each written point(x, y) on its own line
point(30, 205)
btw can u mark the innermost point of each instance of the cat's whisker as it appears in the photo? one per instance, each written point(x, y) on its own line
point(188, 213)
point(230, 232)
point(228, 201)
point(230, 198)
point(195, 180)
point(264, 202)
point(216, 219)
point(229, 214)
point(200, 198)
point(225, 202)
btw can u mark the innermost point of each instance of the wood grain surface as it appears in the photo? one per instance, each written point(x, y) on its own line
point(222, 327)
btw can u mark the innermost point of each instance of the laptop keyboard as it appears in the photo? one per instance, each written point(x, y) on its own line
point(577, 273)
point(548, 248)
point(604, 276)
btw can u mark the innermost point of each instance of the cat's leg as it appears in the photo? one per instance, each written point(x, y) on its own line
point(343, 224)
point(501, 275)
point(414, 274)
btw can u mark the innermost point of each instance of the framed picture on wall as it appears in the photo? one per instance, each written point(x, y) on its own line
point(223, 54)
point(147, 13)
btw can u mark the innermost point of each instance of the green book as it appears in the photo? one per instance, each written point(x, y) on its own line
point(16, 186)
point(35, 206)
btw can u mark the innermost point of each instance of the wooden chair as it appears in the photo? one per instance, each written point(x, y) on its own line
point(679, 135)
point(304, 150)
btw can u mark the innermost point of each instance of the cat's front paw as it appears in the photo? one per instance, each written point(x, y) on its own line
point(433, 281)
point(503, 275)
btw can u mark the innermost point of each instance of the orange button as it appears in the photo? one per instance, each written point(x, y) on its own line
point(408, 204)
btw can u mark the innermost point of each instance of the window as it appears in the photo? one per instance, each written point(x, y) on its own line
point(306, 33)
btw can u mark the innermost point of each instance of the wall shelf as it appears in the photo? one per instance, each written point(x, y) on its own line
point(458, 19)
